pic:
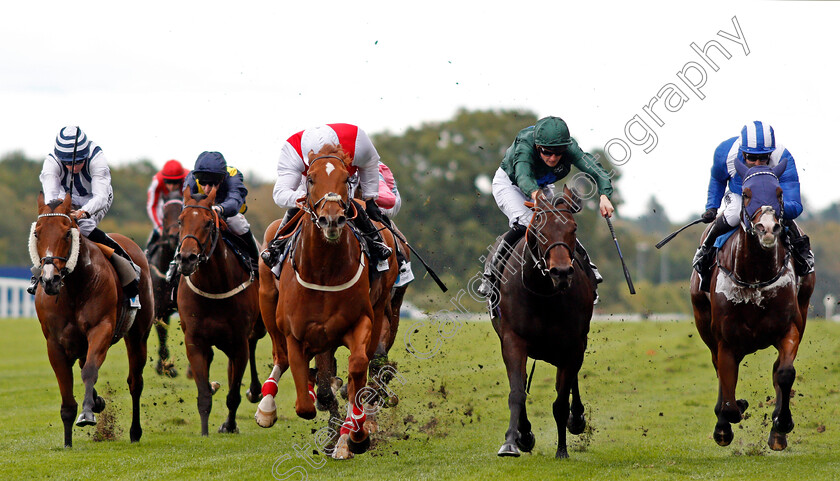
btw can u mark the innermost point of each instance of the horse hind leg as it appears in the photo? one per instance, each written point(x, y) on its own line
point(577, 422)
point(164, 365)
point(200, 358)
point(135, 344)
point(727, 409)
point(515, 358)
point(254, 392)
point(237, 362)
point(98, 342)
point(560, 408)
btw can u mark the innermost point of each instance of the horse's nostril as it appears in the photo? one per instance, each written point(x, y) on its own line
point(322, 222)
point(776, 229)
point(342, 220)
point(557, 272)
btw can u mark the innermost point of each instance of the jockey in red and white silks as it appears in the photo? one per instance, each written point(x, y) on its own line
point(173, 174)
point(294, 160)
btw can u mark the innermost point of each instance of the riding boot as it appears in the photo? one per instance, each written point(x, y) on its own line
point(582, 251)
point(800, 248)
point(704, 256)
point(253, 250)
point(33, 282)
point(379, 251)
point(495, 264)
point(271, 254)
point(127, 270)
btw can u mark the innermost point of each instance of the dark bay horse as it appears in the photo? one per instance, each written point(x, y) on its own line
point(325, 299)
point(160, 253)
point(755, 301)
point(545, 306)
point(82, 311)
point(218, 302)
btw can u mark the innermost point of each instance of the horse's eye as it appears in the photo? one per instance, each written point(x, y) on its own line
point(67, 235)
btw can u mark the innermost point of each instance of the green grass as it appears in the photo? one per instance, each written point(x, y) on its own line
point(648, 389)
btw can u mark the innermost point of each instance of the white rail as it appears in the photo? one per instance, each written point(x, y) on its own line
point(14, 300)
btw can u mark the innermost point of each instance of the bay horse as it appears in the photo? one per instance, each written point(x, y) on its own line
point(755, 301)
point(546, 300)
point(160, 254)
point(83, 311)
point(218, 302)
point(325, 298)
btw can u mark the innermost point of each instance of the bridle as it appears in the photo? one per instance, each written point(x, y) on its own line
point(311, 208)
point(214, 235)
point(72, 257)
point(541, 260)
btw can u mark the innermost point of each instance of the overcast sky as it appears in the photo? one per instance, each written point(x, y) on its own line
point(161, 80)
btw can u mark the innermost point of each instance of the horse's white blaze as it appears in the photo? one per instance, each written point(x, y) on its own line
point(330, 167)
point(768, 220)
point(737, 294)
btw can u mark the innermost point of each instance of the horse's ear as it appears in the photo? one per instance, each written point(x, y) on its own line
point(211, 193)
point(740, 167)
point(68, 202)
point(40, 200)
point(571, 198)
point(779, 196)
point(747, 195)
point(311, 155)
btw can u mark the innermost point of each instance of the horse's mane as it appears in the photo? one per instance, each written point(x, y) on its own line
point(55, 203)
point(198, 197)
point(332, 149)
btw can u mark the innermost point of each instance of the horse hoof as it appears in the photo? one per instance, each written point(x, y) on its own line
point(224, 429)
point(253, 398)
point(360, 447)
point(742, 405)
point(86, 419)
point(214, 387)
point(508, 450)
point(342, 451)
point(723, 436)
point(526, 442)
point(782, 427)
point(171, 372)
point(561, 454)
point(342, 391)
point(306, 414)
point(392, 401)
point(777, 440)
point(576, 425)
point(266, 414)
point(98, 404)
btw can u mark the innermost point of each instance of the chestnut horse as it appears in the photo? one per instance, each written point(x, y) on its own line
point(545, 305)
point(160, 254)
point(755, 301)
point(82, 311)
point(218, 302)
point(325, 299)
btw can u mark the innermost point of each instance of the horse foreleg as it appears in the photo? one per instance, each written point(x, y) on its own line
point(237, 362)
point(560, 409)
point(200, 357)
point(266, 414)
point(99, 339)
point(63, 369)
point(577, 422)
point(515, 356)
point(727, 409)
point(299, 364)
point(358, 343)
point(135, 346)
point(783, 376)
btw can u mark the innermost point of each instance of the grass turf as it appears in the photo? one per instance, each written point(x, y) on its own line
point(648, 388)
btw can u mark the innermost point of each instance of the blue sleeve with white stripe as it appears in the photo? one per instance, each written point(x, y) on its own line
point(720, 175)
point(789, 182)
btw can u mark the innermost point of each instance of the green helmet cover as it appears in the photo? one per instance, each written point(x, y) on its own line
point(551, 132)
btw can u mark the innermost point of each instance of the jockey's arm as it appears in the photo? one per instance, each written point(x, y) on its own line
point(100, 184)
point(289, 185)
point(367, 160)
point(236, 195)
point(51, 179)
point(152, 198)
point(789, 181)
point(719, 176)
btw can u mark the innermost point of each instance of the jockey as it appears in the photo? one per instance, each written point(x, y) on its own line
point(539, 156)
point(91, 197)
point(211, 169)
point(290, 185)
point(755, 146)
point(169, 179)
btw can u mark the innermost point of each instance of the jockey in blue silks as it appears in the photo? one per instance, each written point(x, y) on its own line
point(755, 146)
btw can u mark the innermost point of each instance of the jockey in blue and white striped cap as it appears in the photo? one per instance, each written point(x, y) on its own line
point(758, 138)
point(66, 140)
point(755, 145)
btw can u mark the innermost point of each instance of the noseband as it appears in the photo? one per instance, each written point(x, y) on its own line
point(214, 236)
point(541, 260)
point(310, 208)
point(69, 261)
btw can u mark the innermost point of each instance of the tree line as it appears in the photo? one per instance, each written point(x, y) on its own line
point(443, 171)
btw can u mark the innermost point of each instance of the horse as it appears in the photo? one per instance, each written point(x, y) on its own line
point(218, 303)
point(545, 307)
point(755, 301)
point(83, 311)
point(160, 254)
point(325, 298)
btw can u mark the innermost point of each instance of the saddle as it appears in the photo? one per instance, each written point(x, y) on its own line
point(125, 313)
point(237, 244)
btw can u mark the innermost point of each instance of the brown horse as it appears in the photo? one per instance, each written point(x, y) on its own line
point(83, 311)
point(160, 254)
point(218, 302)
point(325, 299)
point(545, 306)
point(755, 301)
